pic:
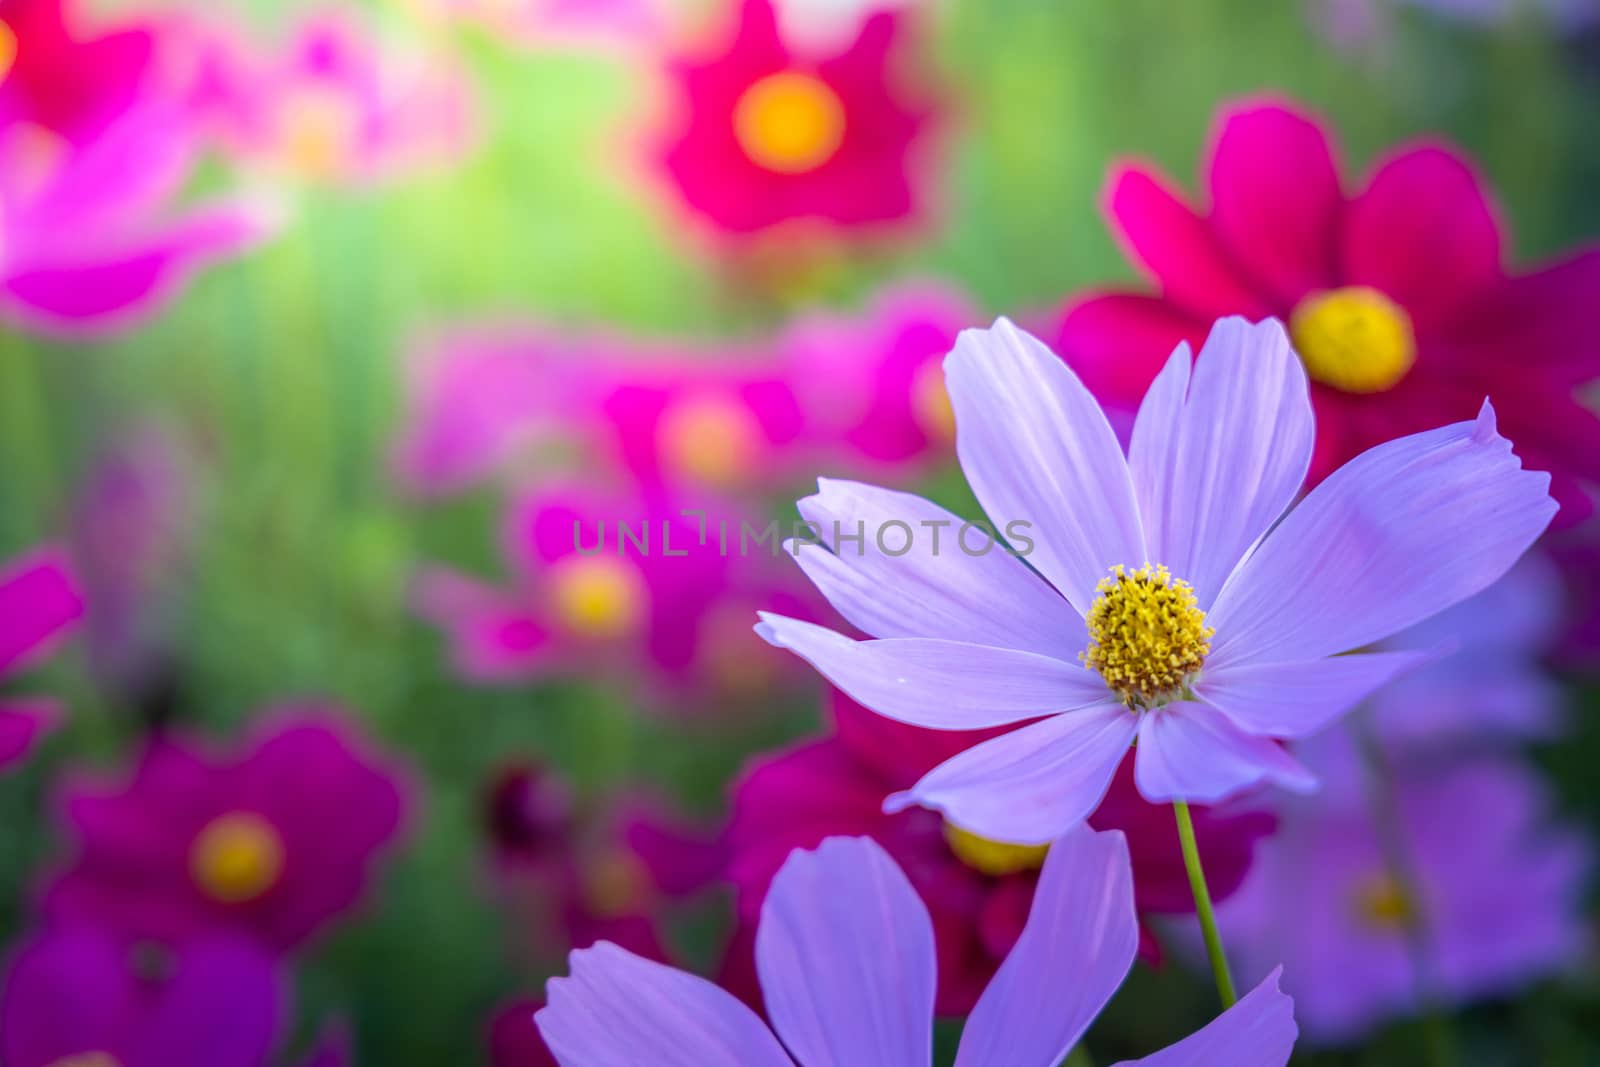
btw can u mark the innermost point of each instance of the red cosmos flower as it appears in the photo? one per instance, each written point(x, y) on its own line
point(978, 891)
point(763, 135)
point(60, 77)
point(1397, 297)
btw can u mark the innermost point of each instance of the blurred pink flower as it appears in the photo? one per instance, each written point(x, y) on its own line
point(96, 144)
point(1396, 294)
point(274, 841)
point(1498, 893)
point(760, 135)
point(336, 106)
point(40, 601)
point(977, 891)
point(668, 614)
point(857, 392)
point(77, 997)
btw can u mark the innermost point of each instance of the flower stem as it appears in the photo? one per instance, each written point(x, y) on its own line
point(1202, 906)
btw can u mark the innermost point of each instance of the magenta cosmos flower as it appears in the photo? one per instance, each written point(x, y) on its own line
point(76, 997)
point(864, 390)
point(39, 602)
point(95, 148)
point(846, 958)
point(1397, 297)
point(605, 580)
point(1154, 602)
point(274, 842)
point(761, 135)
point(334, 107)
point(1496, 888)
point(977, 891)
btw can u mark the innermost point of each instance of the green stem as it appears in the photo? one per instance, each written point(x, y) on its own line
point(1202, 906)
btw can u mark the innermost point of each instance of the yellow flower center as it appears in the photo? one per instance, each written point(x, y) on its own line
point(930, 403)
point(598, 597)
point(994, 858)
point(317, 133)
point(87, 1059)
point(1354, 339)
point(789, 123)
point(8, 49)
point(237, 857)
point(1147, 635)
point(1382, 902)
point(616, 883)
point(712, 439)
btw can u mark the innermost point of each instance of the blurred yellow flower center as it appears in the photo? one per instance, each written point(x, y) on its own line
point(1354, 339)
point(237, 857)
point(994, 858)
point(87, 1059)
point(1147, 635)
point(317, 133)
point(1382, 902)
point(8, 48)
point(789, 122)
point(712, 439)
point(930, 403)
point(616, 883)
point(598, 597)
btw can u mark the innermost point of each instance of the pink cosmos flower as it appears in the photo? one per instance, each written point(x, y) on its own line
point(74, 996)
point(976, 891)
point(39, 602)
point(1162, 598)
point(272, 842)
point(848, 968)
point(1397, 296)
point(95, 146)
point(605, 581)
point(863, 391)
point(762, 136)
point(335, 107)
point(1498, 892)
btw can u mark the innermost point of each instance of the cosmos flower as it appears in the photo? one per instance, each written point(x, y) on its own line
point(977, 891)
point(76, 997)
point(1496, 887)
point(336, 106)
point(847, 962)
point(1486, 681)
point(1154, 603)
point(95, 148)
point(1397, 297)
point(864, 391)
point(39, 602)
point(603, 580)
point(273, 842)
point(571, 878)
point(762, 136)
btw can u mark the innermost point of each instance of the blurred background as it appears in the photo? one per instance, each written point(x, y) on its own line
point(326, 326)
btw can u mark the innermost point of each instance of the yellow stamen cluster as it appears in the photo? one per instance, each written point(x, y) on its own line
point(8, 48)
point(1354, 339)
point(1147, 634)
point(1383, 903)
point(713, 439)
point(930, 403)
point(994, 858)
point(789, 123)
point(236, 857)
